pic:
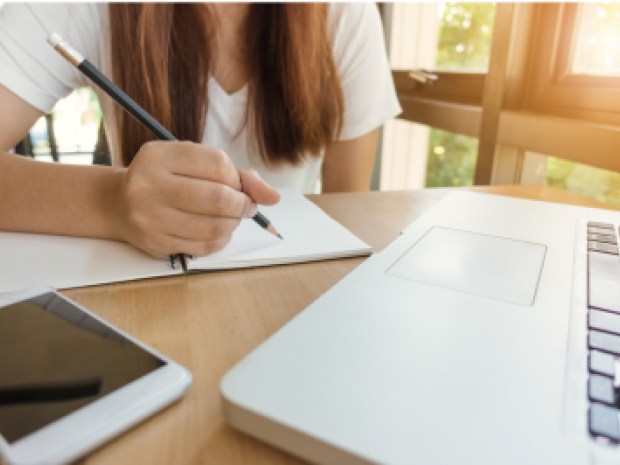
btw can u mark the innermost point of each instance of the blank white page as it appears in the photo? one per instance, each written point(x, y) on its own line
point(63, 262)
point(309, 234)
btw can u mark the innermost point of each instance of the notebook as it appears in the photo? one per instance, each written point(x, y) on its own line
point(65, 262)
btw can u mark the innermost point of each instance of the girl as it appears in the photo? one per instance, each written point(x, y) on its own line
point(264, 95)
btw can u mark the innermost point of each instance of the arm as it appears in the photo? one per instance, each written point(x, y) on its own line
point(51, 198)
point(176, 197)
point(348, 164)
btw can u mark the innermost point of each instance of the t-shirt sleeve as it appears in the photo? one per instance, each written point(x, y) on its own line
point(366, 79)
point(29, 66)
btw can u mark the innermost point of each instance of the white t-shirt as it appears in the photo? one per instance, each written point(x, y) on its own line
point(34, 71)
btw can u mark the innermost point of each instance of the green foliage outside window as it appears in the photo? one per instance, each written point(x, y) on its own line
point(596, 183)
point(451, 159)
point(465, 31)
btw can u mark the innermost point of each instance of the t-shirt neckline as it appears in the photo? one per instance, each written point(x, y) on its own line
point(225, 95)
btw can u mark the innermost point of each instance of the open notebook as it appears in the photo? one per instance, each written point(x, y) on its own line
point(65, 262)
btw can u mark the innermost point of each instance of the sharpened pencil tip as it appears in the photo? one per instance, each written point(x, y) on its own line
point(273, 230)
point(280, 237)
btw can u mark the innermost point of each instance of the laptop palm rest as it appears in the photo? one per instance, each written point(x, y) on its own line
point(487, 266)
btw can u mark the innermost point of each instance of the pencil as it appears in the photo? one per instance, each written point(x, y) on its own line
point(135, 110)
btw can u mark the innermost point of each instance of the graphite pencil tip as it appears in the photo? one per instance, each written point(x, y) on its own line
point(280, 237)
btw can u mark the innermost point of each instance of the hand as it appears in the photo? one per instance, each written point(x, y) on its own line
point(181, 197)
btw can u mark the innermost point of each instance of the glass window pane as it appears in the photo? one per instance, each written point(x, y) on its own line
point(451, 159)
point(596, 183)
point(465, 31)
point(598, 39)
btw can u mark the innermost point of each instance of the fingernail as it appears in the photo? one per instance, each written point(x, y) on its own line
point(252, 211)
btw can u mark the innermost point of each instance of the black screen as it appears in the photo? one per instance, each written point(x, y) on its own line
point(55, 359)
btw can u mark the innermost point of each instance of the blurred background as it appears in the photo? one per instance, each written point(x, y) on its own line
point(76, 122)
point(560, 75)
point(457, 37)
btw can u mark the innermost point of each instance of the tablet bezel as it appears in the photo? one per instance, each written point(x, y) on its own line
point(75, 434)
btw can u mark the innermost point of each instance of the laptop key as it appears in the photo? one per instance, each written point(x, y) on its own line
point(601, 389)
point(602, 247)
point(592, 230)
point(604, 321)
point(611, 239)
point(596, 224)
point(604, 342)
point(602, 364)
point(604, 422)
point(604, 281)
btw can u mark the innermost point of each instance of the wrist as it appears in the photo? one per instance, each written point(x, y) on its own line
point(115, 206)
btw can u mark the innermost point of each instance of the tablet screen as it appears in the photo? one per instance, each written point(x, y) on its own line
point(55, 359)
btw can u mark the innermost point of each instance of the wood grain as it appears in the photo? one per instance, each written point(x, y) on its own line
point(208, 322)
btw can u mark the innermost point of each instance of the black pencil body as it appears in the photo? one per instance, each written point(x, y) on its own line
point(146, 120)
point(125, 101)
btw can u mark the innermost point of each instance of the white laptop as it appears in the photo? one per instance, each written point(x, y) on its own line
point(467, 341)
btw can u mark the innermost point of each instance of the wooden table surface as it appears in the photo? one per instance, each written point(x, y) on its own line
point(208, 322)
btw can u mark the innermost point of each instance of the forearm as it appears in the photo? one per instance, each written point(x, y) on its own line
point(59, 199)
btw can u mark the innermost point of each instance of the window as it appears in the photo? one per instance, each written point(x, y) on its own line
point(541, 96)
point(464, 44)
point(454, 39)
point(573, 73)
point(76, 121)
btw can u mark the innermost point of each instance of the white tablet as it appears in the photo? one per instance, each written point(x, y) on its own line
point(70, 381)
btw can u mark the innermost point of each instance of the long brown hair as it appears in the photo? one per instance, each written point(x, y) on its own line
point(161, 56)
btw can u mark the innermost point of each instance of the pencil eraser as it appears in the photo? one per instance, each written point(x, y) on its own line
point(54, 39)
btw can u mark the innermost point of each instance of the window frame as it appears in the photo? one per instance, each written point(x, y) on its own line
point(457, 87)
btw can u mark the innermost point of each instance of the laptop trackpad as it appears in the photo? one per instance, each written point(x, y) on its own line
point(488, 266)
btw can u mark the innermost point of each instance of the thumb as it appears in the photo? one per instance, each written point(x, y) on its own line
point(257, 189)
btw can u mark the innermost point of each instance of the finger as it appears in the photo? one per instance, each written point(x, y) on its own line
point(178, 245)
point(261, 192)
point(198, 227)
point(207, 198)
point(201, 162)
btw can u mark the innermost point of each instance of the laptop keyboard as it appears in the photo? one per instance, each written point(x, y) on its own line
point(604, 331)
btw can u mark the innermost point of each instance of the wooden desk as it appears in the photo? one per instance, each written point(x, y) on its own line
point(208, 322)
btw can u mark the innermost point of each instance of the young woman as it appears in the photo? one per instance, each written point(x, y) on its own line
point(264, 95)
